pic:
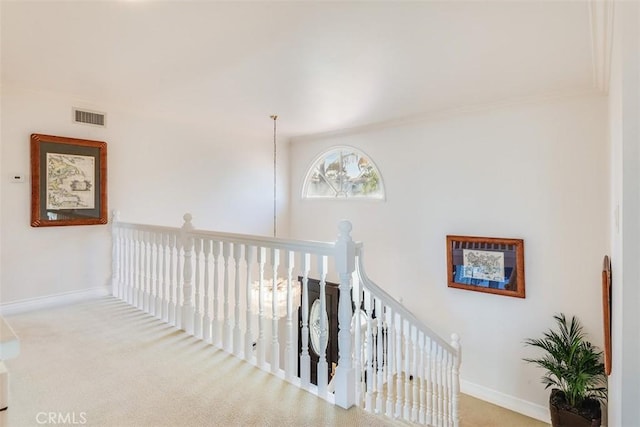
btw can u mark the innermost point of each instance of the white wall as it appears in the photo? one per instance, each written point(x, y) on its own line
point(624, 114)
point(158, 169)
point(537, 172)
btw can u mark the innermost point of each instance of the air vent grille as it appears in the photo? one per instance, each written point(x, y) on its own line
point(89, 117)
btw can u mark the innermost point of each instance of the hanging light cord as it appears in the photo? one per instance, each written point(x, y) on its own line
point(274, 117)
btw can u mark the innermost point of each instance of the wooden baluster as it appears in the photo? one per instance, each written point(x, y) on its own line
point(138, 294)
point(380, 365)
point(305, 360)
point(390, 349)
point(153, 284)
point(217, 325)
point(135, 271)
point(430, 370)
point(406, 409)
point(179, 282)
point(126, 274)
point(125, 265)
point(455, 379)
point(289, 351)
point(275, 345)
point(135, 268)
point(138, 272)
point(447, 387)
point(370, 355)
point(197, 315)
point(421, 370)
point(115, 273)
point(439, 387)
point(226, 332)
point(323, 376)
point(248, 336)
point(159, 251)
point(164, 251)
point(260, 344)
point(146, 274)
point(148, 271)
point(237, 333)
point(151, 279)
point(356, 349)
point(398, 367)
point(207, 292)
point(416, 375)
point(171, 296)
point(187, 287)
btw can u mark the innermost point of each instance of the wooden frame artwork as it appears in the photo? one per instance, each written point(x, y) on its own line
point(68, 181)
point(486, 264)
point(606, 312)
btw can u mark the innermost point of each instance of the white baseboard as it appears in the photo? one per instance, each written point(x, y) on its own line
point(31, 304)
point(515, 404)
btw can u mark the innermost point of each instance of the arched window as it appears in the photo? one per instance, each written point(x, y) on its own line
point(343, 172)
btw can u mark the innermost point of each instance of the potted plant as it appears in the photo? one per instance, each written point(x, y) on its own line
point(575, 371)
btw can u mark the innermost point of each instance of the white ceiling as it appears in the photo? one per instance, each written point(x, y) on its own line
point(321, 66)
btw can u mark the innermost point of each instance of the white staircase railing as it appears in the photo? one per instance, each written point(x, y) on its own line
point(414, 374)
point(273, 302)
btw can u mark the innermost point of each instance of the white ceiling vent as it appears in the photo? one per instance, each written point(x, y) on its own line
point(89, 117)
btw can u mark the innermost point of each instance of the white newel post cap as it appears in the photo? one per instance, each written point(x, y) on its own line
point(187, 221)
point(455, 343)
point(345, 247)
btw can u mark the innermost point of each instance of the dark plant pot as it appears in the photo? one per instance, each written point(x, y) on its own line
point(588, 414)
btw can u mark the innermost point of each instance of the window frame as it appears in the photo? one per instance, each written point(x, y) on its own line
point(338, 148)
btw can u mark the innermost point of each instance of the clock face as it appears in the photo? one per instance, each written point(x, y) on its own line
point(317, 345)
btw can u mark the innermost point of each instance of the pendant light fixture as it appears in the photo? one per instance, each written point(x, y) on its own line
point(275, 165)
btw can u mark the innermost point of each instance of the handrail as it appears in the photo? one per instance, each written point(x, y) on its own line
point(324, 248)
point(378, 292)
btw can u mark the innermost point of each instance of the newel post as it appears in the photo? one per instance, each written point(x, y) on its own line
point(345, 384)
point(187, 274)
point(115, 253)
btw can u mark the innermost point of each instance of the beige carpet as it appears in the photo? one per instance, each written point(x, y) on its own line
point(104, 363)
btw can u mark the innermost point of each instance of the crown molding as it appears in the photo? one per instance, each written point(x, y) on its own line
point(601, 26)
point(450, 113)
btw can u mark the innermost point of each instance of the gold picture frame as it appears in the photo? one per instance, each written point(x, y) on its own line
point(486, 264)
point(68, 181)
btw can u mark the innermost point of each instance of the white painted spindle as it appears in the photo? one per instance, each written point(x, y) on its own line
point(248, 336)
point(216, 337)
point(159, 251)
point(187, 274)
point(260, 344)
point(380, 365)
point(305, 360)
point(237, 334)
point(226, 329)
point(455, 374)
point(275, 345)
point(197, 284)
point(206, 321)
point(289, 352)
point(323, 368)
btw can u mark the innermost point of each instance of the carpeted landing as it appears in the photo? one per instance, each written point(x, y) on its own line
point(104, 363)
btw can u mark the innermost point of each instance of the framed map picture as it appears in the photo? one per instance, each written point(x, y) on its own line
point(486, 264)
point(68, 181)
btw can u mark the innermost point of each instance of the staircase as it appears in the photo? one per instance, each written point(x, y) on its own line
point(304, 311)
